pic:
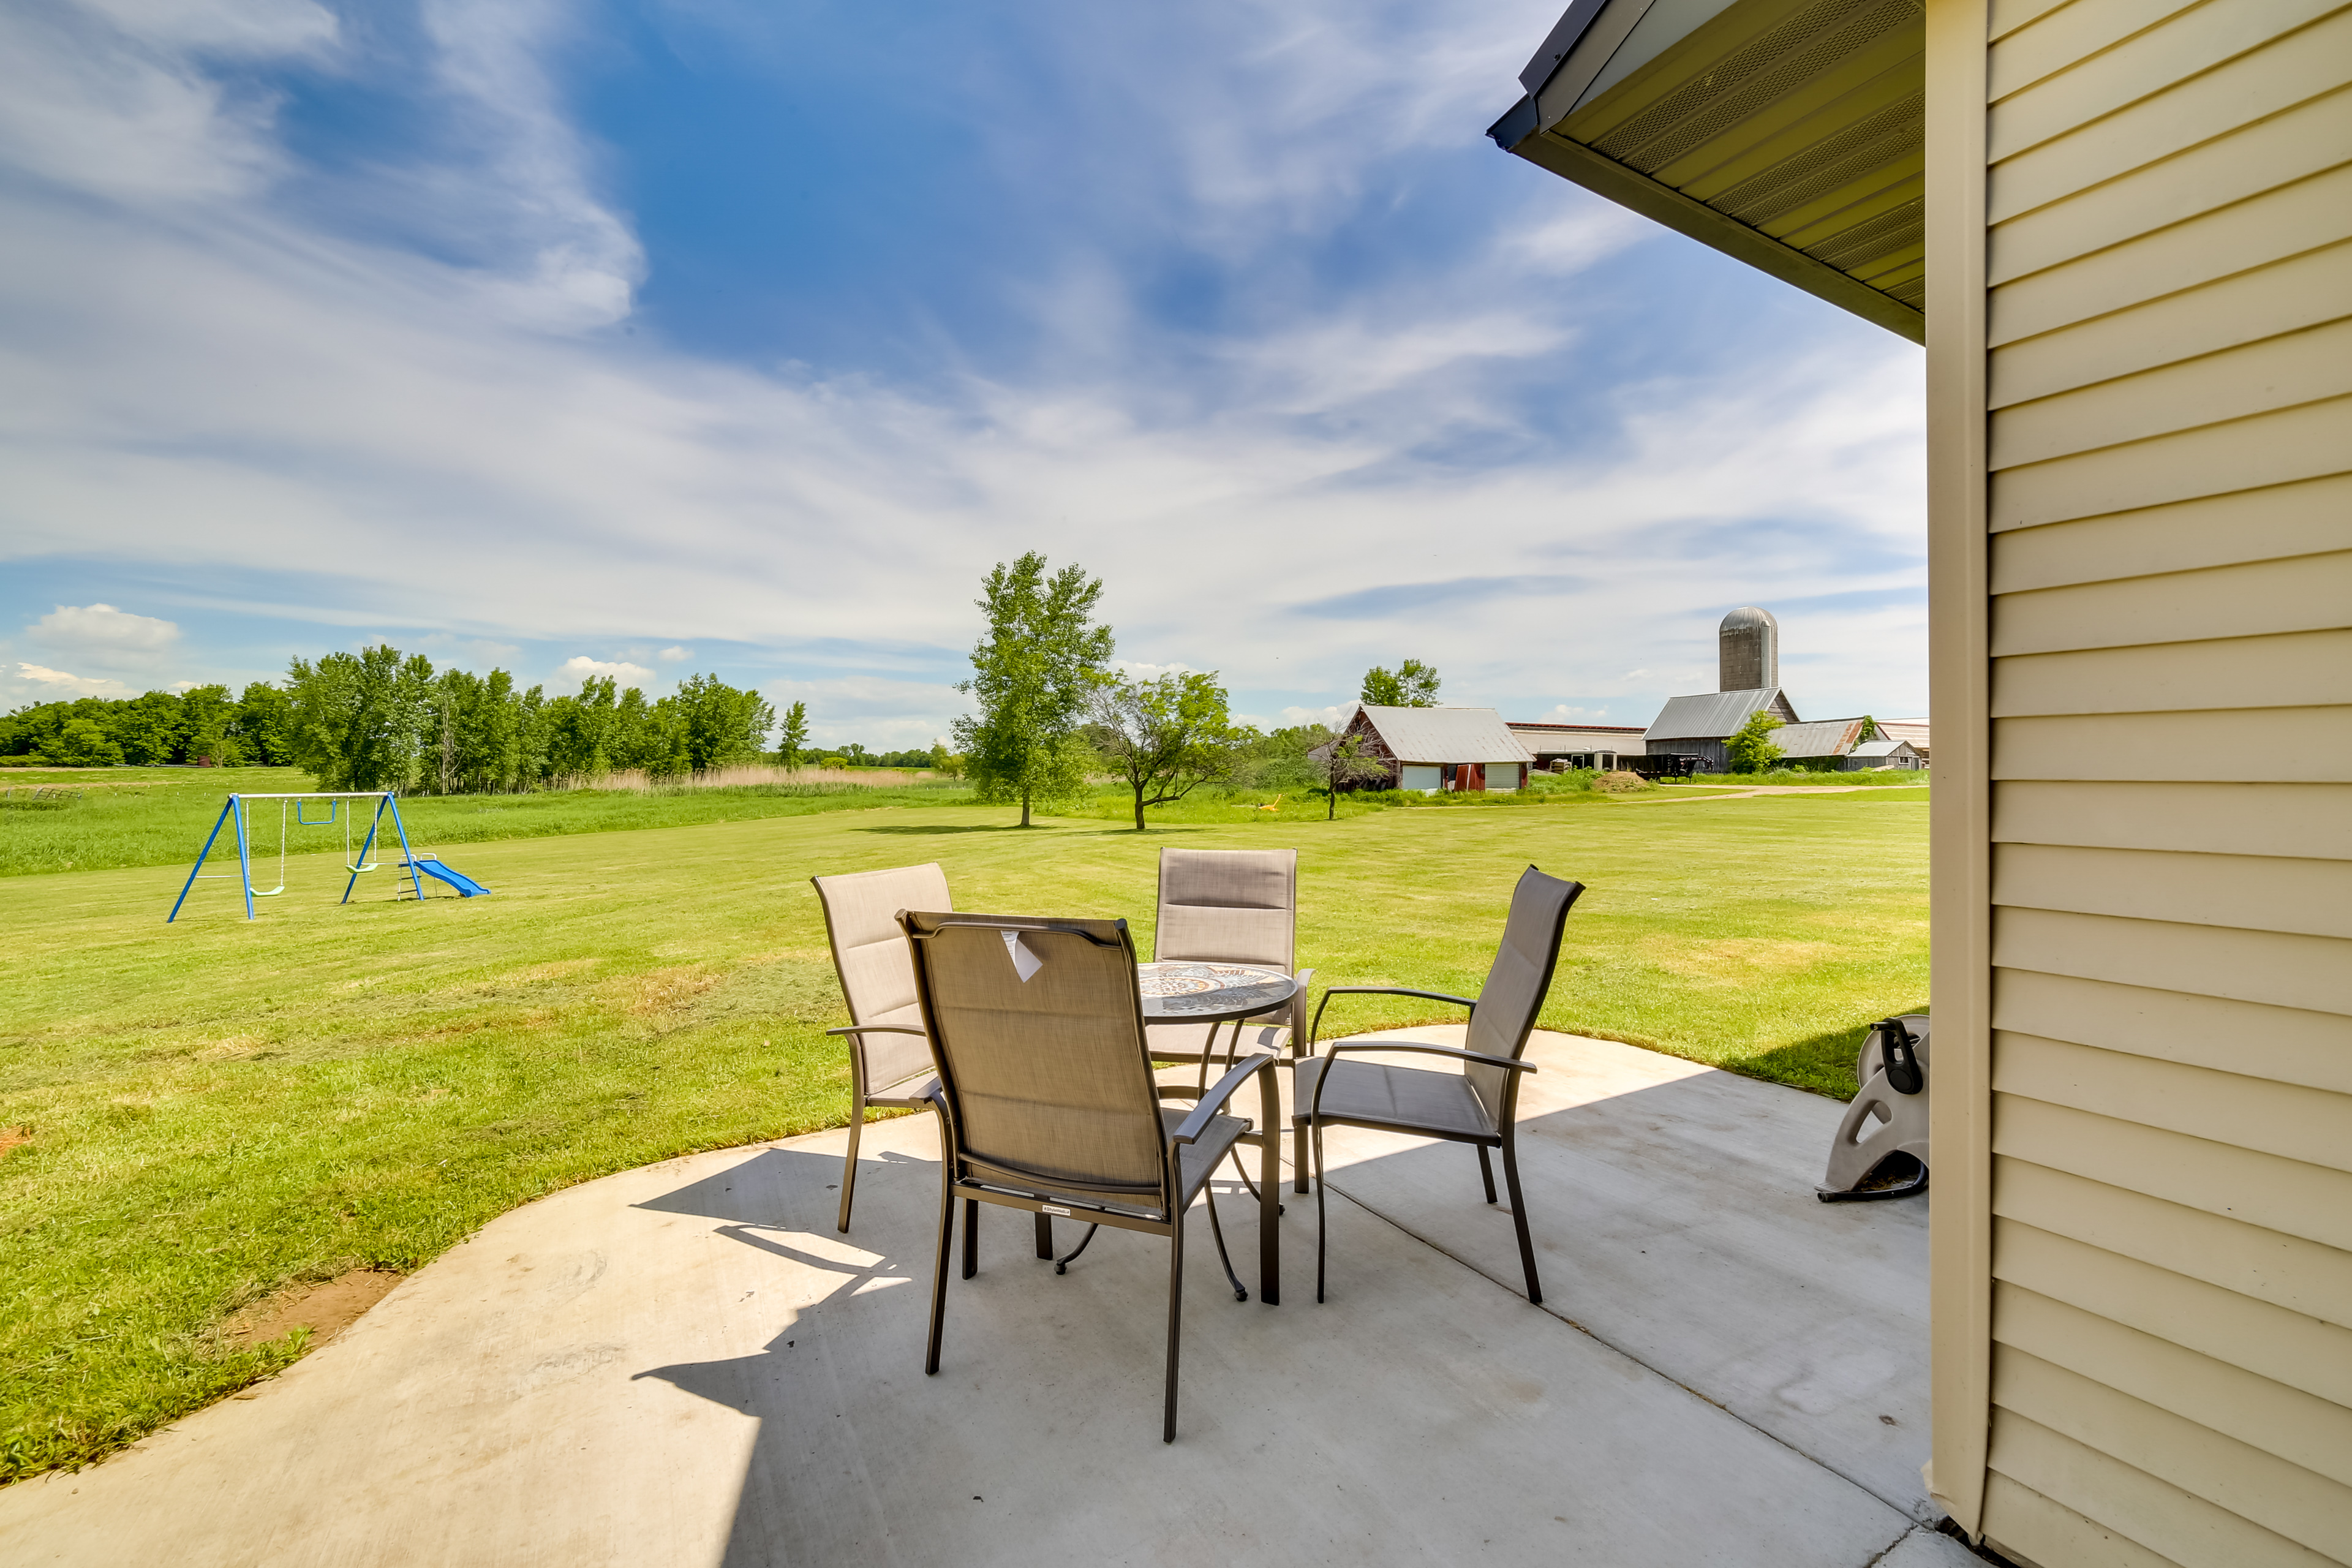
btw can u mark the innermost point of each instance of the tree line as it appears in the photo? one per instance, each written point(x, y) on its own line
point(378, 719)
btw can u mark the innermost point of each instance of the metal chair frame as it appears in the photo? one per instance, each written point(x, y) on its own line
point(1159, 1212)
point(1504, 1135)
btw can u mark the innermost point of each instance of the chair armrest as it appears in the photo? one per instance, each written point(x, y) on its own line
point(1330, 992)
point(1193, 1125)
point(877, 1029)
point(1315, 1101)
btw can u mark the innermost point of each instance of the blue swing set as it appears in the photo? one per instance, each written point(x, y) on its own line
point(291, 814)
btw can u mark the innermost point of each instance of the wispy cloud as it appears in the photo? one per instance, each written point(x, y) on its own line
point(1264, 367)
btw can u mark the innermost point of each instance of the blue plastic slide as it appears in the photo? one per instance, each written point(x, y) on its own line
point(467, 887)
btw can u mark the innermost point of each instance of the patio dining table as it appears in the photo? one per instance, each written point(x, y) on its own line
point(1181, 991)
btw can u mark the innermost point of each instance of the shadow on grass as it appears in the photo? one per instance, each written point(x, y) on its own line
point(926, 830)
point(1823, 1063)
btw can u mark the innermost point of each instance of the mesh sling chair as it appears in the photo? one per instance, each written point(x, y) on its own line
point(1476, 1104)
point(889, 1056)
point(1048, 1103)
point(1229, 906)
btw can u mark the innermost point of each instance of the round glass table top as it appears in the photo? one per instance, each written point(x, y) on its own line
point(1205, 992)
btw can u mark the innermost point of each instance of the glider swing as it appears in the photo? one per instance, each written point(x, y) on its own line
point(292, 812)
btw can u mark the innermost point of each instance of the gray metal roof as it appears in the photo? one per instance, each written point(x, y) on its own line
point(1885, 749)
point(1712, 715)
point(1446, 735)
point(1820, 738)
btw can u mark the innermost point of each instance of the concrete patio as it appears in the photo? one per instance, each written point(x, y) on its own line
point(687, 1364)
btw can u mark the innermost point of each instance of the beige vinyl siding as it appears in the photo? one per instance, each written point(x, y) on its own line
point(2168, 449)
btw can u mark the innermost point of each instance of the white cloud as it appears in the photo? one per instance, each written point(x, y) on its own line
point(576, 672)
point(875, 710)
point(39, 683)
point(222, 381)
point(1330, 718)
point(108, 638)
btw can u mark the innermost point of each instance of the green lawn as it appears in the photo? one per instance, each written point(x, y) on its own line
point(217, 1108)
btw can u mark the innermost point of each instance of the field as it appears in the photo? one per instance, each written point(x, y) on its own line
point(204, 1112)
point(89, 819)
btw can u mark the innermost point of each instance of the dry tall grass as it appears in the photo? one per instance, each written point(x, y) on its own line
point(636, 781)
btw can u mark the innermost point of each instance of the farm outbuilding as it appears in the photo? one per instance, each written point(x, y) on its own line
point(1562, 746)
point(1443, 749)
point(1884, 754)
point(1702, 726)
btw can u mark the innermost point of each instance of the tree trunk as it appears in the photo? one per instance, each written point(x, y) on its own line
point(1025, 808)
point(1139, 808)
point(1332, 814)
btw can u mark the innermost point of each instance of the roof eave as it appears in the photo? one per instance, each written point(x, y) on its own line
point(1516, 133)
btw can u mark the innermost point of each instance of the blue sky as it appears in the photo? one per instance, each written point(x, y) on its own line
point(657, 338)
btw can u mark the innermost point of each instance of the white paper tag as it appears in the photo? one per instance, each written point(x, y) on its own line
point(1025, 962)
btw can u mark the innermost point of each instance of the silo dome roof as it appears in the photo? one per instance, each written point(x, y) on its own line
point(1748, 616)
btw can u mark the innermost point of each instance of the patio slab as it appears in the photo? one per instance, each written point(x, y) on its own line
point(685, 1363)
point(1673, 1215)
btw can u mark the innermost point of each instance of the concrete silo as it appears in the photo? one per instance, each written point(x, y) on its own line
point(1749, 650)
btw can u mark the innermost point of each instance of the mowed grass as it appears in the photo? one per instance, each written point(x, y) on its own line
point(213, 1109)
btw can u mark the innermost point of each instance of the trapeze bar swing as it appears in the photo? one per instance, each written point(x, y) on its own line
point(293, 812)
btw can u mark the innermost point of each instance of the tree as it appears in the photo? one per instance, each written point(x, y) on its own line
point(1032, 674)
point(207, 715)
point(1165, 736)
point(792, 739)
point(263, 728)
point(1752, 751)
point(1869, 730)
point(720, 724)
point(359, 718)
point(84, 743)
point(1414, 685)
point(1345, 759)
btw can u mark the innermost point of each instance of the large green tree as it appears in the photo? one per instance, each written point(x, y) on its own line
point(1411, 684)
point(1033, 672)
point(1166, 736)
point(360, 718)
point(719, 725)
point(263, 728)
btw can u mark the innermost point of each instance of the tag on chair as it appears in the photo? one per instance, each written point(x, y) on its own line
point(1025, 962)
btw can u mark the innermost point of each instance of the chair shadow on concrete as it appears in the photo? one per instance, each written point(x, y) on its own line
point(1676, 1218)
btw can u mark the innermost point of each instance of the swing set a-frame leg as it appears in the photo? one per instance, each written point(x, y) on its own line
point(197, 870)
point(407, 857)
point(367, 844)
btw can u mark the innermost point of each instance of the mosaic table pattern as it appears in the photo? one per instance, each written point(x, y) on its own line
point(1185, 990)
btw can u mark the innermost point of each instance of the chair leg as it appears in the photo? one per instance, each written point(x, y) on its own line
point(971, 1237)
point(1519, 1218)
point(1298, 1154)
point(939, 1267)
point(1175, 1323)
point(849, 1166)
point(1321, 1224)
point(1240, 1291)
point(1487, 1172)
point(1046, 1235)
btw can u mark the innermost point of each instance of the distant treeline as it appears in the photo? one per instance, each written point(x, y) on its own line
point(377, 719)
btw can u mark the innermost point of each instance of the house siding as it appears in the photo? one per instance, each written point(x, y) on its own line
point(2145, 860)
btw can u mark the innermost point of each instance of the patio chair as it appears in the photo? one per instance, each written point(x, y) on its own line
point(1229, 906)
point(889, 1056)
point(1048, 1103)
point(1476, 1104)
